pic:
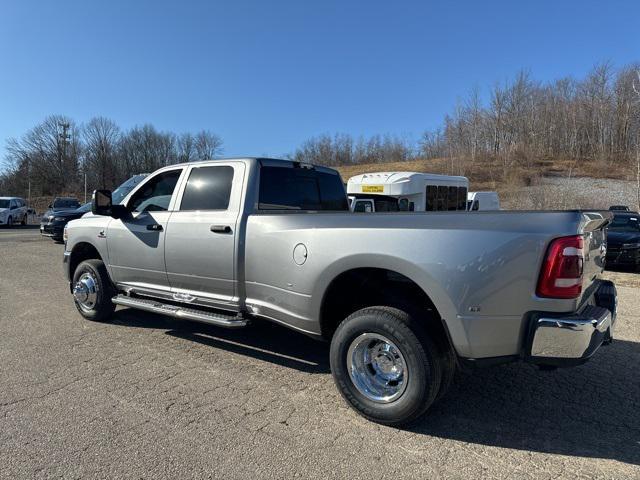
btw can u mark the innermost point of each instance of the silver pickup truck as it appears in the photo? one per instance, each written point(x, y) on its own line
point(404, 298)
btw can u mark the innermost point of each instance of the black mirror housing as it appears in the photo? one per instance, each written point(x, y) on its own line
point(101, 202)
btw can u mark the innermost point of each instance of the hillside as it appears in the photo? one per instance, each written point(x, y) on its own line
point(543, 184)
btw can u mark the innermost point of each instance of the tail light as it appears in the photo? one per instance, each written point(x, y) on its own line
point(561, 275)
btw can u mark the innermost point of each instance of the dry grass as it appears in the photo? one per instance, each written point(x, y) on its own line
point(487, 172)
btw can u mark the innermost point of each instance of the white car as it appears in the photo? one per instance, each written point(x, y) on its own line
point(13, 210)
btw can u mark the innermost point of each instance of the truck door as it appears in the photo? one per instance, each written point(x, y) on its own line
point(136, 242)
point(201, 239)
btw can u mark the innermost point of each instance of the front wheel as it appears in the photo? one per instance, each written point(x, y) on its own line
point(385, 365)
point(93, 291)
point(9, 222)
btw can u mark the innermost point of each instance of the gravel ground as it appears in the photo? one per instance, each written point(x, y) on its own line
point(148, 396)
point(577, 192)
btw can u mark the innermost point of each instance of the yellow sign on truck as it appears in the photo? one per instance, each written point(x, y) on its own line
point(372, 188)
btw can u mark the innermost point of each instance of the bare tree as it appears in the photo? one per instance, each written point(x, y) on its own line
point(186, 147)
point(49, 153)
point(208, 145)
point(101, 138)
point(636, 89)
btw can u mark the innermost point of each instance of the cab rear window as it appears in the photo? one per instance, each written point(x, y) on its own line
point(299, 188)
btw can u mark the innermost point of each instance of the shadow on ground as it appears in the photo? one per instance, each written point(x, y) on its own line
point(261, 340)
point(588, 411)
point(35, 226)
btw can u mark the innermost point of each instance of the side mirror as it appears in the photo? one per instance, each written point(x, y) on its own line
point(101, 202)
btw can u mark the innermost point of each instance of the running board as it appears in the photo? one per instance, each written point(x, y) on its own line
point(155, 306)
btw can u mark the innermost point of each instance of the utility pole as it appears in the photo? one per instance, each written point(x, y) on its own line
point(28, 160)
point(62, 149)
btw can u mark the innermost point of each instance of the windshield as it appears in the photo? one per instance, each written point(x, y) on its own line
point(624, 224)
point(4, 203)
point(66, 203)
point(117, 196)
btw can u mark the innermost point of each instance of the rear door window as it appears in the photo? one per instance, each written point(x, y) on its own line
point(285, 188)
point(208, 188)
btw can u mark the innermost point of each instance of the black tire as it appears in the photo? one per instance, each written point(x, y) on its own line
point(422, 358)
point(449, 363)
point(448, 358)
point(24, 220)
point(103, 307)
point(9, 222)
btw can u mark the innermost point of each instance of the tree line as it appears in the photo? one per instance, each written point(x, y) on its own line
point(596, 118)
point(55, 155)
point(521, 120)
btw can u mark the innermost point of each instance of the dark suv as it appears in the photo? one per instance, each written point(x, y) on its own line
point(623, 240)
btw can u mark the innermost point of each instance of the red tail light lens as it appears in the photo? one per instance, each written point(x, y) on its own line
point(561, 275)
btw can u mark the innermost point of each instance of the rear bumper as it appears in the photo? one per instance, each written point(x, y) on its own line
point(569, 340)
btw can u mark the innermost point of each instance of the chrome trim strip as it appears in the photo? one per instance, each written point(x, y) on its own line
point(192, 298)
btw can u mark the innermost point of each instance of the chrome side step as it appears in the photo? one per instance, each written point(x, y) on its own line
point(155, 306)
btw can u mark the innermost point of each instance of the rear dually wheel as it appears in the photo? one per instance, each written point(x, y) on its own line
point(385, 365)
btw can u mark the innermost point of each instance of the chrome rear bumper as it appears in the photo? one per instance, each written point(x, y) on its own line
point(569, 340)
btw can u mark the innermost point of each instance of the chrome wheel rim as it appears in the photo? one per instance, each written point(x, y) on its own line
point(377, 368)
point(85, 291)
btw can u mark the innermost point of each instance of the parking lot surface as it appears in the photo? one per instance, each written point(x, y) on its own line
point(154, 397)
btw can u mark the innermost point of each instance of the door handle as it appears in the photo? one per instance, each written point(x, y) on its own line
point(220, 228)
point(155, 227)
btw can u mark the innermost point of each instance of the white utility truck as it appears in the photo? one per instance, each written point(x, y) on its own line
point(407, 191)
point(483, 201)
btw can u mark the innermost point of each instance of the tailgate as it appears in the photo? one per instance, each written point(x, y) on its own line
point(595, 245)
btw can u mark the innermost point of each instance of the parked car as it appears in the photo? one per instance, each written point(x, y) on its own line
point(402, 298)
point(623, 240)
point(53, 222)
point(13, 210)
point(61, 204)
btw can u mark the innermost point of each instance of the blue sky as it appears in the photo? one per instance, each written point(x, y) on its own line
point(266, 75)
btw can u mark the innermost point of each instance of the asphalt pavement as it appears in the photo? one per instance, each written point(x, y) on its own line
point(148, 396)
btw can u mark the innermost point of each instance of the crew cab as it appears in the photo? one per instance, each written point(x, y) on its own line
point(404, 298)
